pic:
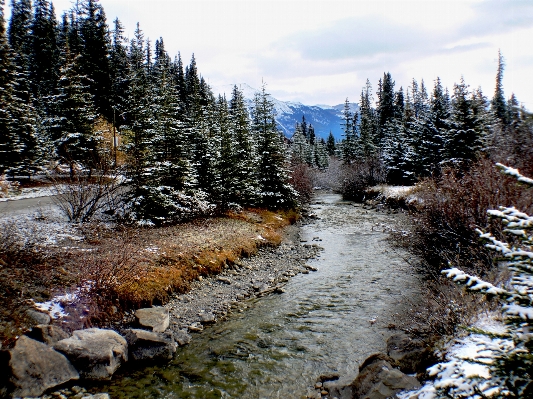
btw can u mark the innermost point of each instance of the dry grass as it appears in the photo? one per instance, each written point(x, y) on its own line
point(143, 266)
point(117, 269)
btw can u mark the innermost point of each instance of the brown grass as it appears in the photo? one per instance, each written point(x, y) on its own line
point(117, 269)
point(143, 266)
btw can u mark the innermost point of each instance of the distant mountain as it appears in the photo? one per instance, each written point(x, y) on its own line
point(324, 118)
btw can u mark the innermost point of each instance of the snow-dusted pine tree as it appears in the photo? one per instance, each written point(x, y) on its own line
point(246, 187)
point(505, 358)
point(273, 177)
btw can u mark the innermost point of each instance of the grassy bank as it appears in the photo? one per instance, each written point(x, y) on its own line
point(110, 270)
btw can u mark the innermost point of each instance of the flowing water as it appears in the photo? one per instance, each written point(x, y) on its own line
point(325, 322)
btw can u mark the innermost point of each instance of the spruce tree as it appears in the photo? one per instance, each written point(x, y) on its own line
point(227, 164)
point(498, 104)
point(321, 154)
point(349, 144)
point(10, 145)
point(138, 134)
point(44, 56)
point(19, 32)
point(96, 44)
point(330, 144)
point(464, 139)
point(299, 146)
point(71, 122)
point(367, 142)
point(273, 177)
point(246, 188)
point(118, 70)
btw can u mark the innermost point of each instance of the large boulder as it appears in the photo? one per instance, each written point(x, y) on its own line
point(148, 345)
point(96, 353)
point(47, 333)
point(35, 367)
point(378, 379)
point(410, 354)
point(156, 319)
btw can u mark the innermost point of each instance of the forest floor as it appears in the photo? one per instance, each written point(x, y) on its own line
point(92, 274)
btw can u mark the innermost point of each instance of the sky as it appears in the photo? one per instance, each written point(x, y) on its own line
point(321, 52)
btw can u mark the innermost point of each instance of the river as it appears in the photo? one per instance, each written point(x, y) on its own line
point(325, 322)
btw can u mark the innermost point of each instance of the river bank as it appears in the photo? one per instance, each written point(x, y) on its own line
point(325, 323)
point(279, 325)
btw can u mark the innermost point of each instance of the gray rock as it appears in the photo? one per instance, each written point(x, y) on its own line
point(378, 379)
point(182, 338)
point(96, 353)
point(196, 327)
point(38, 317)
point(224, 280)
point(148, 345)
point(207, 318)
point(410, 354)
point(157, 318)
point(48, 334)
point(34, 367)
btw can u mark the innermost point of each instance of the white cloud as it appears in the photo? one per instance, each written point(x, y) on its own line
point(323, 51)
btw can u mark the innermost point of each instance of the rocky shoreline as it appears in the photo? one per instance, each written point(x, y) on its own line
point(212, 298)
point(209, 300)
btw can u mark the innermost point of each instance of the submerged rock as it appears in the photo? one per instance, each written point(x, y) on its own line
point(35, 367)
point(411, 355)
point(96, 353)
point(377, 379)
point(157, 319)
point(148, 345)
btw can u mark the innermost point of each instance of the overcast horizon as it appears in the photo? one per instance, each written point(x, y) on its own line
point(319, 52)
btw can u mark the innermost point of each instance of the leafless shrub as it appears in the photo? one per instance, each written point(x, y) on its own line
point(331, 178)
point(301, 180)
point(358, 176)
point(442, 310)
point(83, 195)
point(449, 210)
point(7, 187)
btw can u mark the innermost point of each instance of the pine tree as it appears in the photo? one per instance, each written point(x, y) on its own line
point(138, 134)
point(96, 44)
point(464, 139)
point(385, 108)
point(10, 145)
point(330, 144)
point(179, 79)
point(367, 142)
point(440, 114)
point(299, 146)
point(246, 188)
point(227, 164)
point(273, 178)
point(19, 32)
point(303, 128)
point(44, 56)
point(349, 145)
point(499, 106)
point(72, 123)
point(118, 66)
point(321, 154)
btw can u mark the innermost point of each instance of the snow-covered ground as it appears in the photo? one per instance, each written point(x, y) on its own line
point(29, 192)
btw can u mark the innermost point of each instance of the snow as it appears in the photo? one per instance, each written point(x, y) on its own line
point(31, 192)
point(468, 357)
point(54, 307)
